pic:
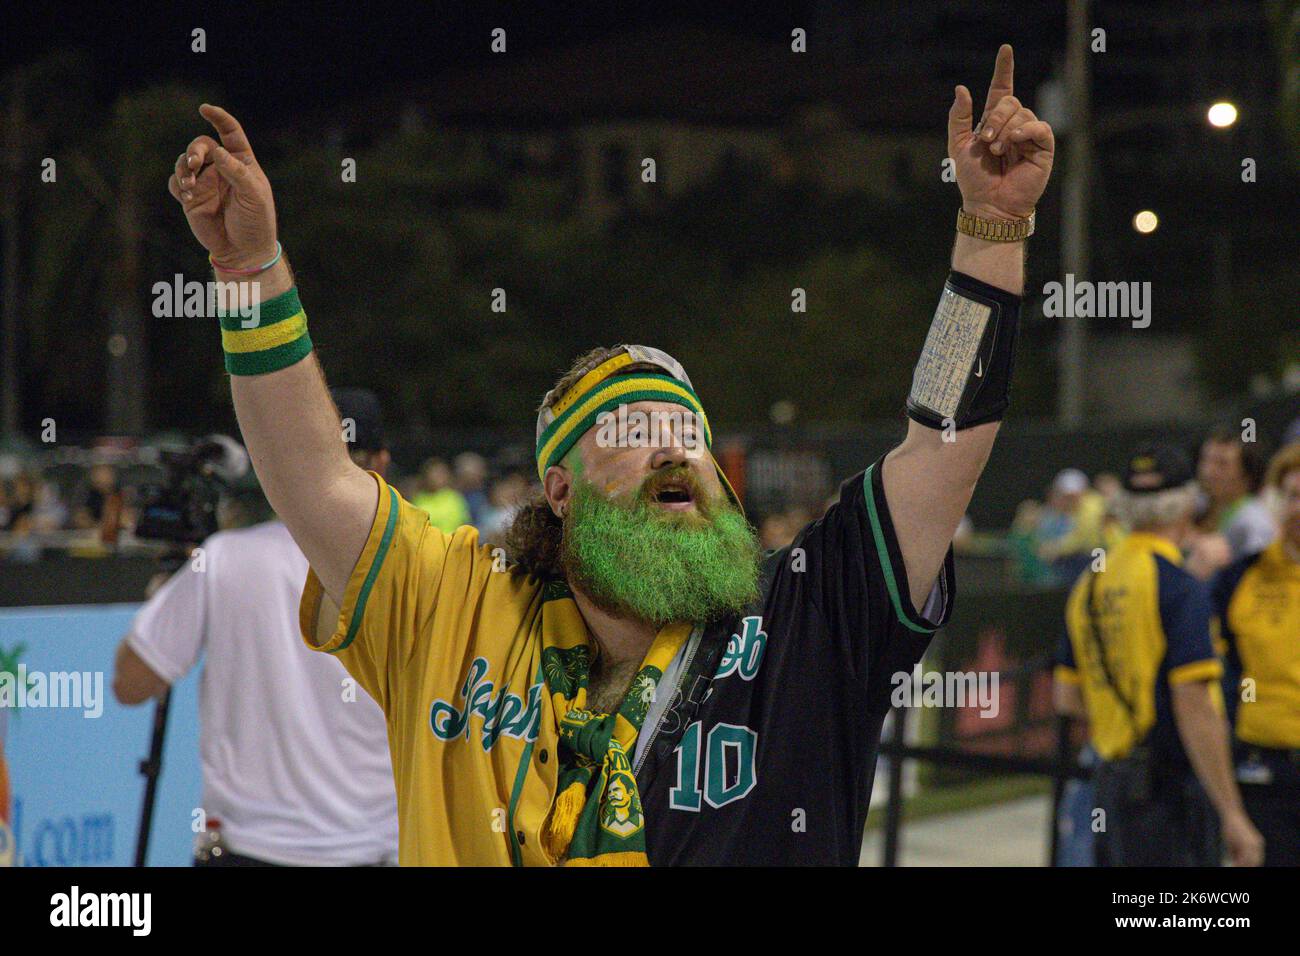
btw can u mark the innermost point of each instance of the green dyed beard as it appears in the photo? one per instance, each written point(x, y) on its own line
point(635, 560)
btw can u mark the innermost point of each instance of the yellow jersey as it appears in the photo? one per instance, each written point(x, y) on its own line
point(409, 569)
point(1133, 631)
point(1257, 600)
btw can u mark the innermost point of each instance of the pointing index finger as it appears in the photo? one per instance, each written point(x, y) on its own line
point(1003, 72)
point(228, 128)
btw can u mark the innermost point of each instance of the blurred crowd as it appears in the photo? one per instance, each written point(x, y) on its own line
point(91, 511)
point(469, 491)
point(1053, 540)
point(83, 514)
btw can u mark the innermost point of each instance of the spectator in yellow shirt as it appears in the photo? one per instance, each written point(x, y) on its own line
point(445, 506)
point(1257, 602)
point(1085, 513)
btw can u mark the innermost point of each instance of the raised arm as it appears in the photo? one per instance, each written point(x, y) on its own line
point(286, 416)
point(960, 387)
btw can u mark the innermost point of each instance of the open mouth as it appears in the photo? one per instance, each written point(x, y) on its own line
point(675, 496)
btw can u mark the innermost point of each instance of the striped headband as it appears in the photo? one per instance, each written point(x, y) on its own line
point(562, 424)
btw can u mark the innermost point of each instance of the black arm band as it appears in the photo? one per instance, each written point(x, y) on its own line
point(963, 377)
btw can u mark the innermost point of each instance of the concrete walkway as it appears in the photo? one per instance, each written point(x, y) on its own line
point(1006, 834)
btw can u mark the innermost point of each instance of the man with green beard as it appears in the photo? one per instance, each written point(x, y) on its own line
point(637, 684)
point(635, 561)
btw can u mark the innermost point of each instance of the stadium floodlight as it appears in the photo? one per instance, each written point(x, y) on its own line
point(1146, 221)
point(1222, 114)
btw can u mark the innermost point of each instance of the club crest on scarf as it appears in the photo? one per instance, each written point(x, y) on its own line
point(620, 813)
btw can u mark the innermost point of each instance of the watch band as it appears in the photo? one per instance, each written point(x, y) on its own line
point(995, 230)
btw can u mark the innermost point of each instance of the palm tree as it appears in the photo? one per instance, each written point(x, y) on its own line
point(102, 243)
point(39, 100)
point(1286, 32)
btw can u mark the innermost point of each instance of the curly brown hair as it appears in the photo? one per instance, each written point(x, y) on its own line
point(534, 540)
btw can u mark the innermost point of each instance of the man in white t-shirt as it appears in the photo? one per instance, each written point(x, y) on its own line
point(295, 758)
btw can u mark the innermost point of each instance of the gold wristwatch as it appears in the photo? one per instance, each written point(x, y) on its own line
point(995, 230)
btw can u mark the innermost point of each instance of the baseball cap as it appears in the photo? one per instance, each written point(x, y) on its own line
point(1157, 467)
point(1071, 481)
point(361, 407)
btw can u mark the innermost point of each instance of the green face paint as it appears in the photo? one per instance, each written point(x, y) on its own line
point(573, 461)
point(635, 559)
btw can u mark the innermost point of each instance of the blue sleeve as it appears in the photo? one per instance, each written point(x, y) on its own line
point(1065, 652)
point(1185, 613)
point(1222, 589)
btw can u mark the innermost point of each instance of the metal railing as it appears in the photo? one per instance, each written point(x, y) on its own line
point(1061, 767)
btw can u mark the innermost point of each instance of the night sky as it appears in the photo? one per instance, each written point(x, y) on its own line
point(267, 60)
point(272, 57)
point(283, 67)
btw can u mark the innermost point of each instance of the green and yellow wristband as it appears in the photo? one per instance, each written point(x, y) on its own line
point(275, 337)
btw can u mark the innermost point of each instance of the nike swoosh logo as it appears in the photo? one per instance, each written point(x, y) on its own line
point(979, 371)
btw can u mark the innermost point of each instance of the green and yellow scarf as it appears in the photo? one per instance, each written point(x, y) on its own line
point(597, 819)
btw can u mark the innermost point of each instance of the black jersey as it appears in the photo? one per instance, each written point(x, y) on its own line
point(767, 751)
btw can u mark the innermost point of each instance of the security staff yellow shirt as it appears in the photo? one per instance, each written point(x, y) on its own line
point(1257, 600)
point(1153, 621)
point(477, 804)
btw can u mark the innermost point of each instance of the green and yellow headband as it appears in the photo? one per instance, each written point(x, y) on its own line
point(559, 426)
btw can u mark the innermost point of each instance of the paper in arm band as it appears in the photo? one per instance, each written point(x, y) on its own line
point(964, 373)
